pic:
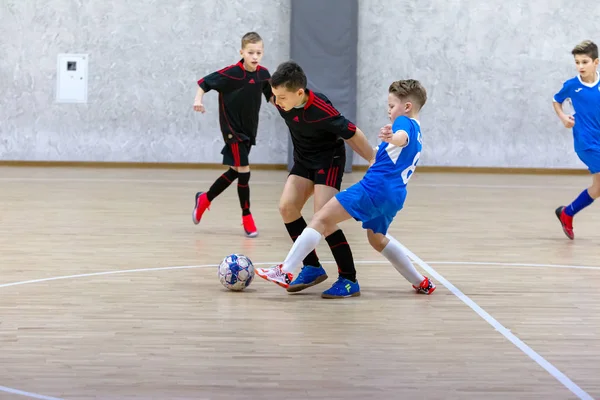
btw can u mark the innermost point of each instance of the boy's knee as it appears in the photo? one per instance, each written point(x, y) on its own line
point(377, 240)
point(320, 224)
point(594, 191)
point(288, 210)
point(328, 230)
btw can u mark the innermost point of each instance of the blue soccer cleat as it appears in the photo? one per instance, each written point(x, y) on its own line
point(308, 276)
point(342, 288)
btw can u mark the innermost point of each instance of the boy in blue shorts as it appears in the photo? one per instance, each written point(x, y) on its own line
point(374, 200)
point(584, 92)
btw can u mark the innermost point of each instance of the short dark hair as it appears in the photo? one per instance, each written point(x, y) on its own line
point(411, 89)
point(251, 37)
point(289, 75)
point(588, 48)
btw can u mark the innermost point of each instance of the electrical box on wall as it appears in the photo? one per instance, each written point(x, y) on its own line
point(72, 78)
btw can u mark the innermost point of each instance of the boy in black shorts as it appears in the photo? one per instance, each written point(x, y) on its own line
point(318, 134)
point(240, 88)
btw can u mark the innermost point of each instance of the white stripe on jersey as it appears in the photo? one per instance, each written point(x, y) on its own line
point(394, 151)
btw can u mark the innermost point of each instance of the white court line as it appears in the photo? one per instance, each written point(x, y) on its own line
point(127, 271)
point(124, 271)
point(483, 314)
point(541, 361)
point(501, 264)
point(190, 181)
point(28, 394)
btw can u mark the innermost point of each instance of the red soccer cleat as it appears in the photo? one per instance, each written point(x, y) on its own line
point(249, 226)
point(566, 221)
point(202, 204)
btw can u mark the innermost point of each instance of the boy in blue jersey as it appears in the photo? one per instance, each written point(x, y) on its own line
point(584, 92)
point(374, 200)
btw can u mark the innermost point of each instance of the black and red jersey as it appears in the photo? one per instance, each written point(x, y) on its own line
point(240, 94)
point(317, 130)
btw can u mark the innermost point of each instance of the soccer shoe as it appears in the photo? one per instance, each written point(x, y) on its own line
point(426, 287)
point(276, 275)
point(308, 276)
point(566, 221)
point(342, 288)
point(249, 226)
point(202, 204)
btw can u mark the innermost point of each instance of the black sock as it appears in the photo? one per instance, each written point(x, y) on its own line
point(295, 228)
point(244, 192)
point(221, 184)
point(342, 254)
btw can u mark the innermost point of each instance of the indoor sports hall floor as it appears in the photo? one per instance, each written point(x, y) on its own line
point(108, 291)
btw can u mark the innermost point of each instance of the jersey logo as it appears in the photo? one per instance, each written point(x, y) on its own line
point(321, 172)
point(296, 119)
point(578, 90)
point(251, 81)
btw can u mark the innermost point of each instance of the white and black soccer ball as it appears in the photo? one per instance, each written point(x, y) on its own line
point(236, 272)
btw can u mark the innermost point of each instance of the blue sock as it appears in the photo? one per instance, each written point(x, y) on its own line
point(581, 202)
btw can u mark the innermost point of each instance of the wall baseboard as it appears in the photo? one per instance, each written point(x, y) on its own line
point(283, 167)
point(132, 165)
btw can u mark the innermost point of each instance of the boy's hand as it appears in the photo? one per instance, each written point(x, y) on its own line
point(568, 121)
point(385, 133)
point(198, 106)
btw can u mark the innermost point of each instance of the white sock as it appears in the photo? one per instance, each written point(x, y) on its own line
point(304, 244)
point(393, 252)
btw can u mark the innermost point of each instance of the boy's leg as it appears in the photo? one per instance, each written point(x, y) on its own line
point(241, 152)
point(326, 219)
point(390, 248)
point(338, 244)
point(354, 202)
point(203, 199)
point(591, 158)
point(296, 192)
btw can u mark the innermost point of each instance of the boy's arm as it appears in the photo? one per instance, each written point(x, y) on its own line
point(268, 91)
point(567, 120)
point(213, 81)
point(355, 138)
point(198, 106)
point(361, 146)
point(398, 138)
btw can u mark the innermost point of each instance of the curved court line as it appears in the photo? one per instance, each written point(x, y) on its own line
point(501, 264)
point(127, 271)
point(465, 299)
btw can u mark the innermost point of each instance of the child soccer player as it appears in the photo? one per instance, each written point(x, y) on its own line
point(584, 92)
point(374, 200)
point(240, 88)
point(318, 131)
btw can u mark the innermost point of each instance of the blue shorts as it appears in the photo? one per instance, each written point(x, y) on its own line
point(376, 211)
point(591, 158)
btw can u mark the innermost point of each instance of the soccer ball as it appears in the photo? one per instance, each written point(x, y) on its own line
point(236, 272)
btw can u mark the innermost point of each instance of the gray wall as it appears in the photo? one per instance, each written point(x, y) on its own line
point(145, 59)
point(491, 70)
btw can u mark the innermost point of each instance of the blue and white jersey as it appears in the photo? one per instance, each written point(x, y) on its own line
point(394, 166)
point(585, 98)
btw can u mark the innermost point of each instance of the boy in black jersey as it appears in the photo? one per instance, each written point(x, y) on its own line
point(318, 133)
point(240, 88)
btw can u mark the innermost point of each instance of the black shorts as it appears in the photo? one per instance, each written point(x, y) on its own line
point(328, 176)
point(236, 154)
